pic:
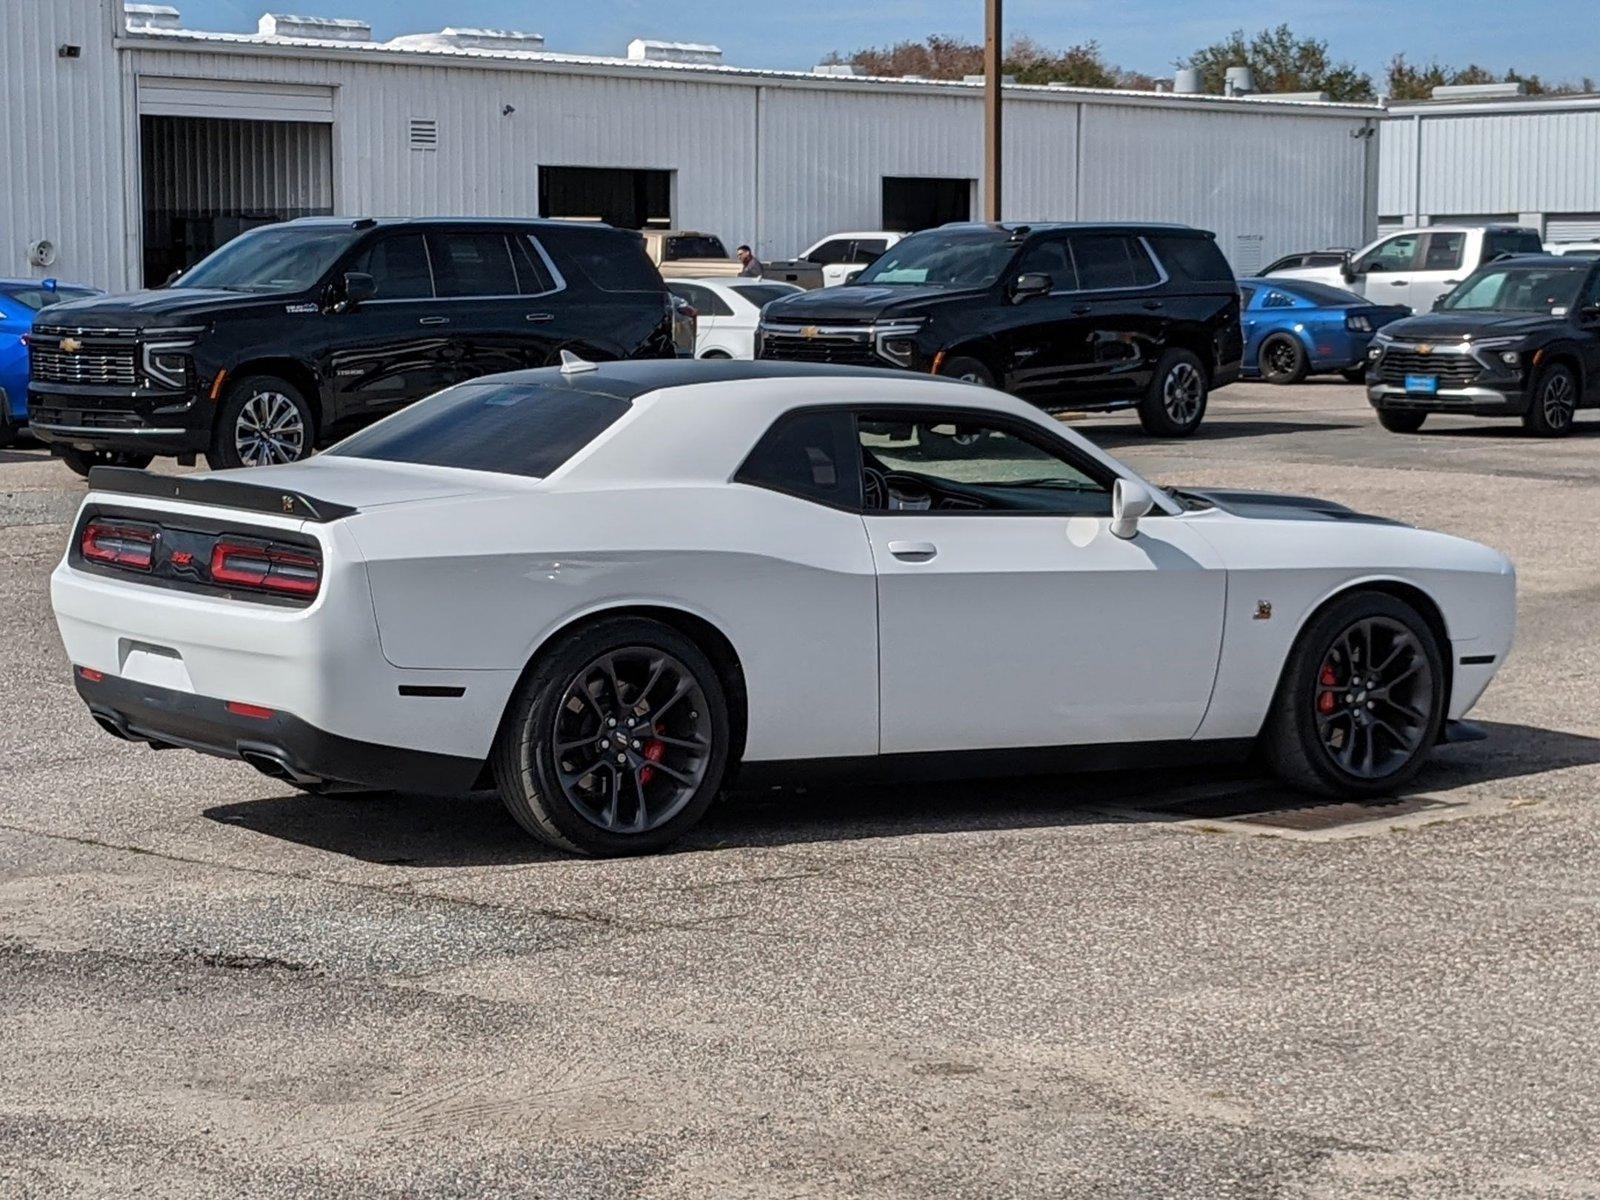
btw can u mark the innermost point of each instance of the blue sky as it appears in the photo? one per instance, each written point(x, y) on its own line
point(1555, 38)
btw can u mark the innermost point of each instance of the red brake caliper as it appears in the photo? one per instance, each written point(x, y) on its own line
point(1326, 702)
point(655, 751)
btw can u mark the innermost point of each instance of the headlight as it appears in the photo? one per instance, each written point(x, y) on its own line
point(1510, 357)
point(897, 342)
point(167, 363)
point(1374, 353)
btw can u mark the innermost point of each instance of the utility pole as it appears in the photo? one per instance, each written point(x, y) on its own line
point(993, 50)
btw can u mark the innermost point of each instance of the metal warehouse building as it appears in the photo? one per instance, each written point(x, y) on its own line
point(134, 145)
point(1534, 160)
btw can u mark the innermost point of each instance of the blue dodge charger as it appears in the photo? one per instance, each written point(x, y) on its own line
point(1297, 327)
point(20, 302)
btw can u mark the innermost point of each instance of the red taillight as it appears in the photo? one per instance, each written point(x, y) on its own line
point(90, 674)
point(130, 546)
point(266, 568)
point(253, 711)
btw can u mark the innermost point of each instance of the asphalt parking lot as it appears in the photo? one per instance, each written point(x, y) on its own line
point(1184, 984)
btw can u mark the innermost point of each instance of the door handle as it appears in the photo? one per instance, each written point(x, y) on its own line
point(1079, 309)
point(434, 321)
point(913, 551)
point(1400, 283)
point(1152, 304)
point(540, 318)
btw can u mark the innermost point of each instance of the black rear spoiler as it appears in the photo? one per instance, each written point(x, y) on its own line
point(221, 493)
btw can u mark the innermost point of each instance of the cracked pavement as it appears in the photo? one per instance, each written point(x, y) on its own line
point(213, 986)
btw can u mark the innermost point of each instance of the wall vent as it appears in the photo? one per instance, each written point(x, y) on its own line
point(424, 133)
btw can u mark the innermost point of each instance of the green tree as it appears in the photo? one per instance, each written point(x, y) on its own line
point(1407, 81)
point(941, 57)
point(1280, 62)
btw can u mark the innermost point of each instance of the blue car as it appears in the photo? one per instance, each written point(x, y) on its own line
point(20, 302)
point(1297, 327)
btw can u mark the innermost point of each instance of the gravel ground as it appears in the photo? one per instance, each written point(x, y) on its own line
point(210, 986)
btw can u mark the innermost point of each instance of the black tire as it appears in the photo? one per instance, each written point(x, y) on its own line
point(969, 369)
point(1354, 374)
point(262, 420)
point(524, 760)
point(1400, 420)
point(1176, 402)
point(1299, 732)
point(79, 461)
point(1283, 359)
point(716, 354)
point(1552, 402)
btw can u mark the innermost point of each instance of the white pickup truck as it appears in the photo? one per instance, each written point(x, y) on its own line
point(1417, 266)
point(835, 259)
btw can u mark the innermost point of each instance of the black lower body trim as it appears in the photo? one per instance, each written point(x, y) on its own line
point(280, 745)
point(992, 764)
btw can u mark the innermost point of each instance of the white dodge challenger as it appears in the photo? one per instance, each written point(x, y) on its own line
point(603, 590)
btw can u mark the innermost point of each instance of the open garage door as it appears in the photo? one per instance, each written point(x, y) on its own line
point(219, 157)
point(1572, 227)
point(626, 197)
point(913, 203)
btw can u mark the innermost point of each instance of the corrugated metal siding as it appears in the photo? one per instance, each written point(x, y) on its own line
point(192, 166)
point(61, 142)
point(1573, 227)
point(1493, 162)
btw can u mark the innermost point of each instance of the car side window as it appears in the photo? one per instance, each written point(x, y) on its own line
point(533, 275)
point(948, 464)
point(1108, 261)
point(470, 263)
point(1050, 257)
point(1444, 251)
point(1246, 295)
point(867, 250)
point(398, 266)
point(1518, 241)
point(1396, 254)
point(836, 251)
point(703, 300)
point(811, 455)
point(1278, 300)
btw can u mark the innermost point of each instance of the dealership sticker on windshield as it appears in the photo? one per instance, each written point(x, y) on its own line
point(1426, 385)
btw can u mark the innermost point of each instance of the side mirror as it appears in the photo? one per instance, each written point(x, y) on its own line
point(173, 278)
point(1130, 500)
point(1589, 314)
point(1438, 303)
point(1347, 268)
point(1029, 285)
point(355, 287)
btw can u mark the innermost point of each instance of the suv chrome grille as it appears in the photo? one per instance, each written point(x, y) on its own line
point(60, 354)
point(834, 346)
point(1451, 368)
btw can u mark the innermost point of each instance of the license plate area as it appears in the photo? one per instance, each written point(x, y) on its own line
point(159, 666)
point(1422, 385)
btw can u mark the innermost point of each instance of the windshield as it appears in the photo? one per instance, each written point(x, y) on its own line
point(1552, 290)
point(277, 258)
point(943, 258)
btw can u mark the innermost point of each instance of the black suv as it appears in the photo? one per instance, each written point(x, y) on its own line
point(1065, 316)
point(290, 330)
point(1519, 337)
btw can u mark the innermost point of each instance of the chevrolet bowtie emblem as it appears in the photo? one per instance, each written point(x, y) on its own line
point(808, 331)
point(70, 345)
point(1424, 348)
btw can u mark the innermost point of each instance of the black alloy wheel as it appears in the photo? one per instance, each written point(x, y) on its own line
point(1283, 360)
point(1553, 403)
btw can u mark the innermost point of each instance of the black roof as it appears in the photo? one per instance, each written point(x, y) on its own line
point(1024, 227)
point(632, 378)
point(423, 222)
point(1571, 262)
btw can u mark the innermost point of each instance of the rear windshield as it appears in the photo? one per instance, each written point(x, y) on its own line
point(1195, 259)
point(610, 260)
point(762, 294)
point(510, 428)
point(1321, 294)
point(694, 245)
point(40, 297)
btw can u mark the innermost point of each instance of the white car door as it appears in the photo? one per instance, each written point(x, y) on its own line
point(1383, 273)
point(1441, 264)
point(1008, 614)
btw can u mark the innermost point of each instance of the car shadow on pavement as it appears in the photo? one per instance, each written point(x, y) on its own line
point(1110, 437)
point(395, 829)
point(22, 454)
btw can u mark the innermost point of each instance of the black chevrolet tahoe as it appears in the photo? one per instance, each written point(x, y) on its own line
point(1081, 316)
point(1519, 337)
point(290, 331)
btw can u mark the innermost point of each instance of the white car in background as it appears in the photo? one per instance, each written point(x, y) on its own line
point(1415, 267)
point(727, 312)
point(837, 258)
point(601, 590)
point(1574, 249)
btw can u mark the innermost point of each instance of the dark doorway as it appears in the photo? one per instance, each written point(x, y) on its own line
point(911, 203)
point(620, 196)
point(205, 181)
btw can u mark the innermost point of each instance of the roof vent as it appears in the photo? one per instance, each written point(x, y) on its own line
point(1186, 82)
point(646, 50)
point(1238, 81)
point(424, 133)
point(151, 16)
point(1480, 91)
point(452, 38)
point(324, 29)
point(837, 69)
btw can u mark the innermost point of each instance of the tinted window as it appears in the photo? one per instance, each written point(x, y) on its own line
point(1277, 300)
point(1517, 241)
point(1444, 252)
point(703, 300)
point(1196, 259)
point(1551, 290)
point(472, 264)
point(1111, 261)
point(867, 249)
point(533, 276)
point(610, 261)
point(811, 455)
point(944, 258)
point(763, 294)
point(1246, 294)
point(277, 258)
point(1322, 295)
point(511, 428)
point(398, 266)
point(37, 298)
point(693, 245)
point(836, 251)
point(935, 463)
point(1050, 257)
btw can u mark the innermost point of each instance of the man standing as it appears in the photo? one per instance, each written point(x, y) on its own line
point(751, 264)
